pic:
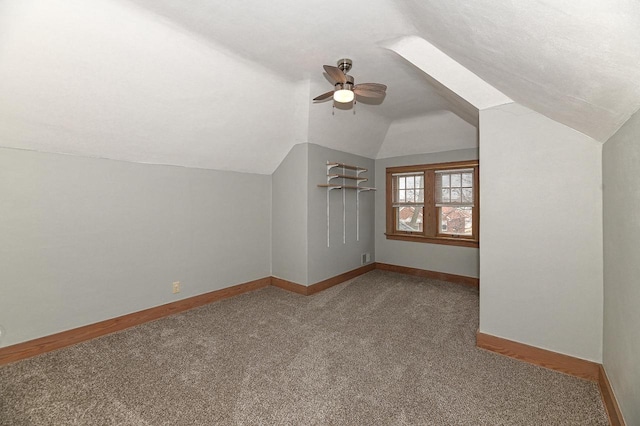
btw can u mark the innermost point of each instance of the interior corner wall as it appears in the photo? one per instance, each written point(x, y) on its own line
point(621, 157)
point(87, 239)
point(433, 257)
point(348, 238)
point(541, 268)
point(289, 217)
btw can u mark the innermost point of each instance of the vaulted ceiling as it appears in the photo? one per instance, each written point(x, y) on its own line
point(228, 85)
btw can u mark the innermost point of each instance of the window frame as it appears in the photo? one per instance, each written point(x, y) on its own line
point(409, 204)
point(431, 229)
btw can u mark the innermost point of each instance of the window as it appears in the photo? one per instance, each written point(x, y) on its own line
point(454, 201)
point(409, 200)
point(434, 203)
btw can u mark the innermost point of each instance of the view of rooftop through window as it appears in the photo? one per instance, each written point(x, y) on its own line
point(455, 201)
point(410, 201)
point(434, 203)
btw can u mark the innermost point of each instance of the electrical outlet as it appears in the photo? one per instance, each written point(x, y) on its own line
point(367, 257)
point(176, 287)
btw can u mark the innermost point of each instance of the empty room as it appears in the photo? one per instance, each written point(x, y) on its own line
point(319, 213)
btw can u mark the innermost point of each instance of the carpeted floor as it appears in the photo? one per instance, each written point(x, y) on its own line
point(382, 349)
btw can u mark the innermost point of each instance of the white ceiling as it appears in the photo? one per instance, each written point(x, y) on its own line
point(442, 131)
point(295, 38)
point(228, 85)
point(575, 61)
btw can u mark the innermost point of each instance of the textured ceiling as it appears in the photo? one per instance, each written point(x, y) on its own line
point(295, 38)
point(575, 61)
point(228, 85)
point(441, 131)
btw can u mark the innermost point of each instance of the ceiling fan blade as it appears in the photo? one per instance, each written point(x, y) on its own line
point(368, 93)
point(371, 86)
point(335, 73)
point(323, 96)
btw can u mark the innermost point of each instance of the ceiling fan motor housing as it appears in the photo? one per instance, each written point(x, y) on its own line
point(346, 86)
point(345, 65)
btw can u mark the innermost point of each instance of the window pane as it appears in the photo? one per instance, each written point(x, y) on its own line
point(446, 196)
point(455, 180)
point(455, 195)
point(409, 219)
point(467, 195)
point(408, 188)
point(456, 220)
point(445, 181)
point(467, 179)
point(410, 196)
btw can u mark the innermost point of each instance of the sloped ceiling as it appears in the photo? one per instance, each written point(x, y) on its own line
point(99, 79)
point(575, 61)
point(228, 85)
point(436, 132)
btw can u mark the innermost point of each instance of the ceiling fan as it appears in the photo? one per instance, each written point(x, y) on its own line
point(345, 90)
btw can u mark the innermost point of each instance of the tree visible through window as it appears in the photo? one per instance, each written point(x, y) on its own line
point(409, 200)
point(435, 203)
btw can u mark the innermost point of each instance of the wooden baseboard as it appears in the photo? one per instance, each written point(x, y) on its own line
point(322, 285)
point(63, 339)
point(442, 276)
point(555, 361)
point(289, 286)
point(70, 337)
point(609, 399)
point(559, 362)
point(325, 284)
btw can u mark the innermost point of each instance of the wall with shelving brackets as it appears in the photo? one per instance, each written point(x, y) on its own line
point(341, 211)
point(345, 177)
point(304, 216)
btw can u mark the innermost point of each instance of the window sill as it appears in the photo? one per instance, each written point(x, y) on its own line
point(449, 241)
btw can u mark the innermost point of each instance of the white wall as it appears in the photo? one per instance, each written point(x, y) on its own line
point(326, 262)
point(289, 220)
point(433, 257)
point(540, 232)
point(621, 157)
point(84, 240)
point(299, 225)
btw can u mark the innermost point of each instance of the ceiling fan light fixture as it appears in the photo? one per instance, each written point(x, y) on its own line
point(345, 88)
point(343, 96)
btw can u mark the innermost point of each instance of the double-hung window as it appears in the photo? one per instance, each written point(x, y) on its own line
point(434, 203)
point(408, 201)
point(454, 201)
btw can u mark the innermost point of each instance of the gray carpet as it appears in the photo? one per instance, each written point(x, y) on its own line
point(381, 349)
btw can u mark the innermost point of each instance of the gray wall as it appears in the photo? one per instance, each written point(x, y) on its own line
point(621, 158)
point(289, 217)
point(433, 257)
point(540, 232)
point(85, 239)
point(326, 262)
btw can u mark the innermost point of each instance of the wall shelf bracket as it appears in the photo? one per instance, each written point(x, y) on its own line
point(344, 176)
